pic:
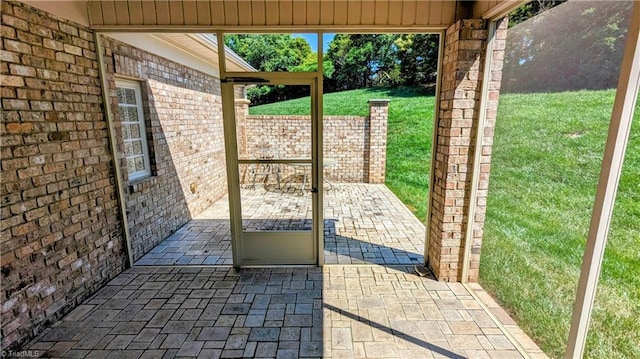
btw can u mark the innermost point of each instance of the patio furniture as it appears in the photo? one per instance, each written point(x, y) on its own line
point(265, 169)
point(306, 167)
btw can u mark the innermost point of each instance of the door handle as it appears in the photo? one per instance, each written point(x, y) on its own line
point(314, 190)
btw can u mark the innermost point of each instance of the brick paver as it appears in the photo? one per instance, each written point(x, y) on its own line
point(364, 223)
point(367, 311)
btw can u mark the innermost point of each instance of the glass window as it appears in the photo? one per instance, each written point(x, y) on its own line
point(134, 133)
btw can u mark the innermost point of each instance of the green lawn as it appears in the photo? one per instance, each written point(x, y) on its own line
point(547, 153)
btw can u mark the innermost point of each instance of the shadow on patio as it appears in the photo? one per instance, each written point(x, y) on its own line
point(364, 223)
point(337, 311)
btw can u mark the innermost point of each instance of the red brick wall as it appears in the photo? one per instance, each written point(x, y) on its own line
point(61, 235)
point(183, 110)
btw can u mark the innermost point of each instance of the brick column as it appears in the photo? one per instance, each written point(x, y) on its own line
point(378, 116)
point(242, 111)
point(457, 128)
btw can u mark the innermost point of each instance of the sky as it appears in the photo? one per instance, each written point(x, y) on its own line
point(312, 39)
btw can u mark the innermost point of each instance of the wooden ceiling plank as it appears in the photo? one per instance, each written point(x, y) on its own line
point(258, 12)
point(122, 12)
point(190, 12)
point(230, 12)
point(149, 12)
point(135, 13)
point(313, 12)
point(447, 13)
point(435, 12)
point(204, 12)
point(299, 12)
point(217, 12)
point(286, 12)
point(354, 13)
point(395, 12)
point(326, 12)
point(162, 13)
point(409, 13)
point(245, 14)
point(382, 12)
point(368, 9)
point(176, 16)
point(109, 12)
point(95, 13)
point(422, 12)
point(340, 9)
point(272, 12)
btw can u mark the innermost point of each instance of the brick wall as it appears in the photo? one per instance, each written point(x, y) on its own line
point(183, 110)
point(61, 234)
point(358, 144)
point(459, 105)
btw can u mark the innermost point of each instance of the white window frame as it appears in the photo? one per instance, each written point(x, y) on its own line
point(134, 85)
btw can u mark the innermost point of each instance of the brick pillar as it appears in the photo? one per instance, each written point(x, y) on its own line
point(242, 111)
point(457, 128)
point(378, 116)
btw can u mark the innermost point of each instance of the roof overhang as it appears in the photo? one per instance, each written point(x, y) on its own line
point(274, 15)
point(198, 51)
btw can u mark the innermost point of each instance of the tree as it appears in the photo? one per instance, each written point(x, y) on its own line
point(418, 57)
point(273, 53)
point(362, 60)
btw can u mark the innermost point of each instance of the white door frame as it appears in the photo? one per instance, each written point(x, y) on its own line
point(278, 246)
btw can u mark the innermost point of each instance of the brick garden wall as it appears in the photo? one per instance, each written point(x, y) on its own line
point(183, 110)
point(61, 235)
point(358, 144)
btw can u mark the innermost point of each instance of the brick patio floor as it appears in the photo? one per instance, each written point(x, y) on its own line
point(364, 223)
point(368, 311)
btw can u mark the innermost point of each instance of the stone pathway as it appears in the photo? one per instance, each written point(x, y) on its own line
point(332, 312)
point(364, 223)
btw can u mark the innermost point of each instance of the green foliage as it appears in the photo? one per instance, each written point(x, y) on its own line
point(273, 53)
point(418, 58)
point(531, 9)
point(387, 60)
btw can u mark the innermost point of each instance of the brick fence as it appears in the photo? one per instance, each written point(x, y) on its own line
point(358, 144)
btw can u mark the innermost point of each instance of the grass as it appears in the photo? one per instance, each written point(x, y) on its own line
point(546, 160)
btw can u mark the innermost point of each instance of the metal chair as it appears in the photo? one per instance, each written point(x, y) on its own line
point(265, 169)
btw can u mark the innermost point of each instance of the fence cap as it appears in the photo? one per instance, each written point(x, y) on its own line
point(383, 101)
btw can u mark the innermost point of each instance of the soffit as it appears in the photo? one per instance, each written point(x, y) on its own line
point(271, 14)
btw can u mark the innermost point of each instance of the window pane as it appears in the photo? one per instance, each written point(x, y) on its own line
point(128, 149)
point(120, 94)
point(137, 147)
point(123, 113)
point(134, 130)
point(132, 114)
point(139, 164)
point(131, 165)
point(126, 134)
point(130, 96)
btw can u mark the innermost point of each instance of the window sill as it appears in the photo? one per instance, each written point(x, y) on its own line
point(142, 184)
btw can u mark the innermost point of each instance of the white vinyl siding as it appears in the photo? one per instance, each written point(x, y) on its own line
point(134, 132)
